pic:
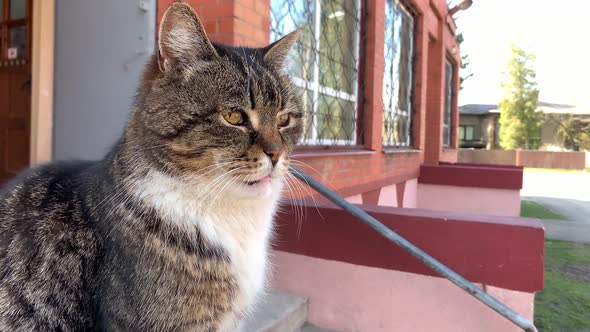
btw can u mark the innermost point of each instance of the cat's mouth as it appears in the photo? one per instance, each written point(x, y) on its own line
point(263, 181)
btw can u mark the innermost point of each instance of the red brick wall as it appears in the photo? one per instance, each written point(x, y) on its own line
point(373, 74)
point(355, 172)
point(548, 159)
point(232, 22)
point(525, 158)
point(366, 167)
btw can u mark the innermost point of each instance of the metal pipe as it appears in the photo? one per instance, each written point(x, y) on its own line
point(437, 266)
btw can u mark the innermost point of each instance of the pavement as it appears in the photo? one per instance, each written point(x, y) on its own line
point(566, 193)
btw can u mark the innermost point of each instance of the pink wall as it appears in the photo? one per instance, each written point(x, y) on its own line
point(357, 280)
point(499, 202)
point(388, 196)
point(356, 199)
point(348, 297)
point(411, 194)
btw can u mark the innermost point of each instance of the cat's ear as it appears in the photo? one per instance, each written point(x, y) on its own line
point(276, 53)
point(182, 39)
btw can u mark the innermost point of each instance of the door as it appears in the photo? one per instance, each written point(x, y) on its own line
point(15, 86)
point(101, 47)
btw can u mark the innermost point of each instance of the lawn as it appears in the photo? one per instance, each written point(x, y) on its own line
point(564, 304)
point(536, 210)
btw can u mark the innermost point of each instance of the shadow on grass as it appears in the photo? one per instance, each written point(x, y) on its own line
point(532, 209)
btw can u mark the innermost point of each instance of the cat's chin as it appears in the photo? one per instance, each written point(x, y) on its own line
point(263, 188)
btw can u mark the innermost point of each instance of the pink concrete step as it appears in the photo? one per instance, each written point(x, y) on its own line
point(281, 312)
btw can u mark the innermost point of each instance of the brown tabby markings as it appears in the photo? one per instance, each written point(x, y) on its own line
point(169, 231)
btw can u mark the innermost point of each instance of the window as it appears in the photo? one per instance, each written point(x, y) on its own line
point(324, 63)
point(14, 25)
point(397, 79)
point(449, 93)
point(466, 133)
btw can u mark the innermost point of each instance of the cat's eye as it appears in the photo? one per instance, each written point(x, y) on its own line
point(234, 117)
point(283, 120)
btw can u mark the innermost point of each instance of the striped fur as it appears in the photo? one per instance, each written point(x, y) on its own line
point(170, 231)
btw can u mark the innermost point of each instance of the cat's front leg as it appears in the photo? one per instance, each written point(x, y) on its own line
point(232, 323)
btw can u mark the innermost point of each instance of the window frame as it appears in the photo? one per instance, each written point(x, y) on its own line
point(315, 88)
point(463, 128)
point(6, 23)
point(410, 113)
point(448, 112)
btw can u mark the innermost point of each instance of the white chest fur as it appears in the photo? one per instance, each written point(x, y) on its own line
point(241, 226)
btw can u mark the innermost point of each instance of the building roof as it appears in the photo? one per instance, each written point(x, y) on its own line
point(477, 109)
point(551, 108)
point(545, 107)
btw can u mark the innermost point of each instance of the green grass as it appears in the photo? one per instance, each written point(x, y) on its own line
point(564, 304)
point(557, 170)
point(535, 210)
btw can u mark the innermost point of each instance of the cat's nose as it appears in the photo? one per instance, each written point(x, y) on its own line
point(274, 155)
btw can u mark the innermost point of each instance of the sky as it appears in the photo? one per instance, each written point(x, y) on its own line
point(556, 31)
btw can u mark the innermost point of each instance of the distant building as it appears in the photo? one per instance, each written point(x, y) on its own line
point(479, 126)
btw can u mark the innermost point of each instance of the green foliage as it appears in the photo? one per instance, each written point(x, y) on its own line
point(520, 123)
point(464, 62)
point(574, 129)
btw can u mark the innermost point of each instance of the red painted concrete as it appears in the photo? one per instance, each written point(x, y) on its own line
point(504, 252)
point(471, 176)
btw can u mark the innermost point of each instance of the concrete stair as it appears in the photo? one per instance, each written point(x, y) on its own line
point(281, 312)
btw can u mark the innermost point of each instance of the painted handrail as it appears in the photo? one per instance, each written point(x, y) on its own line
point(425, 258)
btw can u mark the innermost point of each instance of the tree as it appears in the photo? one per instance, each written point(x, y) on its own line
point(574, 129)
point(464, 62)
point(520, 122)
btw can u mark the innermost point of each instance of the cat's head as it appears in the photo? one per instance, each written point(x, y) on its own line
point(208, 112)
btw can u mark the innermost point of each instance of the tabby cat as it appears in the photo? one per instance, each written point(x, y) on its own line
point(170, 231)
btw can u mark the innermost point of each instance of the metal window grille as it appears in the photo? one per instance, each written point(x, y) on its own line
point(397, 79)
point(449, 91)
point(324, 64)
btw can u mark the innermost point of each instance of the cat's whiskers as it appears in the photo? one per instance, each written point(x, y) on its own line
point(215, 183)
point(231, 181)
point(299, 162)
point(297, 208)
point(212, 168)
point(128, 184)
point(299, 202)
point(299, 194)
point(306, 188)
